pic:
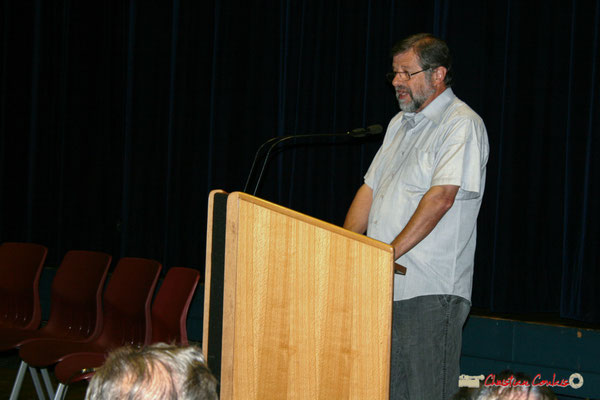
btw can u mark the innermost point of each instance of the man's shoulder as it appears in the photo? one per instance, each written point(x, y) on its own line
point(447, 108)
point(458, 110)
point(459, 122)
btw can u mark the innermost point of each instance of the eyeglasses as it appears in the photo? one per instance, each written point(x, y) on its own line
point(404, 76)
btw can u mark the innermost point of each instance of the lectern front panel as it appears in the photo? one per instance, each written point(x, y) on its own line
point(307, 307)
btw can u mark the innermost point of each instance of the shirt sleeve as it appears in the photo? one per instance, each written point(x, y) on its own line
point(461, 159)
point(371, 177)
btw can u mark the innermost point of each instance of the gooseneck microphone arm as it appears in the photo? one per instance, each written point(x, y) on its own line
point(258, 152)
point(356, 133)
point(283, 139)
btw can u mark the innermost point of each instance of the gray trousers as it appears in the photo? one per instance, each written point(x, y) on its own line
point(426, 345)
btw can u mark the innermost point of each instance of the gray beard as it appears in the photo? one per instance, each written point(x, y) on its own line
point(417, 100)
point(411, 106)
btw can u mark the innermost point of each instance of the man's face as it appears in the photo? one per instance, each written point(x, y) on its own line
point(414, 94)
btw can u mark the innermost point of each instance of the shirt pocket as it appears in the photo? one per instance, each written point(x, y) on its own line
point(417, 170)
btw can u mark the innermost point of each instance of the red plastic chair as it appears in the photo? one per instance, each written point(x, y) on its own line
point(20, 268)
point(171, 305)
point(169, 314)
point(76, 311)
point(126, 317)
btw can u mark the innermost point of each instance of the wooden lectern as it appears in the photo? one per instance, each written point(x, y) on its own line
point(295, 308)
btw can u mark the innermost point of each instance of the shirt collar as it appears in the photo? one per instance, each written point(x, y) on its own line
point(436, 108)
point(410, 118)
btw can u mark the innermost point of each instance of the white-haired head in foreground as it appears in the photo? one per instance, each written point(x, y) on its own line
point(158, 371)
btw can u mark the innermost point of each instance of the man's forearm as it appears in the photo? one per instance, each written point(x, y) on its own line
point(357, 217)
point(432, 207)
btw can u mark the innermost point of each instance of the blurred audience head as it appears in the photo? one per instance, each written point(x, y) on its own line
point(159, 371)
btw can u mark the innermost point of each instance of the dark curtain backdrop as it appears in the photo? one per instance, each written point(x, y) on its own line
point(118, 117)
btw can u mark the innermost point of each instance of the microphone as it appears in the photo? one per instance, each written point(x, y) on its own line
point(355, 133)
point(369, 130)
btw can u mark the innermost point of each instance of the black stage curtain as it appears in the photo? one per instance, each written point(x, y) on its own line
point(117, 118)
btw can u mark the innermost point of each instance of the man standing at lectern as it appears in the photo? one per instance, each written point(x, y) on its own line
point(422, 194)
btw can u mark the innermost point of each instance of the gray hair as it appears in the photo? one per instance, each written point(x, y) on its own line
point(431, 51)
point(159, 371)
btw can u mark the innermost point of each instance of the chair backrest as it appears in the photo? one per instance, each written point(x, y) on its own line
point(76, 296)
point(126, 303)
point(171, 305)
point(20, 268)
point(169, 311)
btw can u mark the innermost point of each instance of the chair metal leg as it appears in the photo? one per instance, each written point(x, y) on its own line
point(36, 383)
point(61, 392)
point(14, 395)
point(48, 383)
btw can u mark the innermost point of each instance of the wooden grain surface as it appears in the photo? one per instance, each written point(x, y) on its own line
point(307, 307)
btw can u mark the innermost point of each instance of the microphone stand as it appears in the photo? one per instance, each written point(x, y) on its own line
point(356, 133)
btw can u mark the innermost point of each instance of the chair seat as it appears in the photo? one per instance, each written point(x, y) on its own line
point(69, 369)
point(45, 352)
point(15, 338)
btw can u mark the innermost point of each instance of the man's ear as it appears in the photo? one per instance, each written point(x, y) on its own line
point(439, 74)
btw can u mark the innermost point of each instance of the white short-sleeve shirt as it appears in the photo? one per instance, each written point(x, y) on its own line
point(444, 144)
